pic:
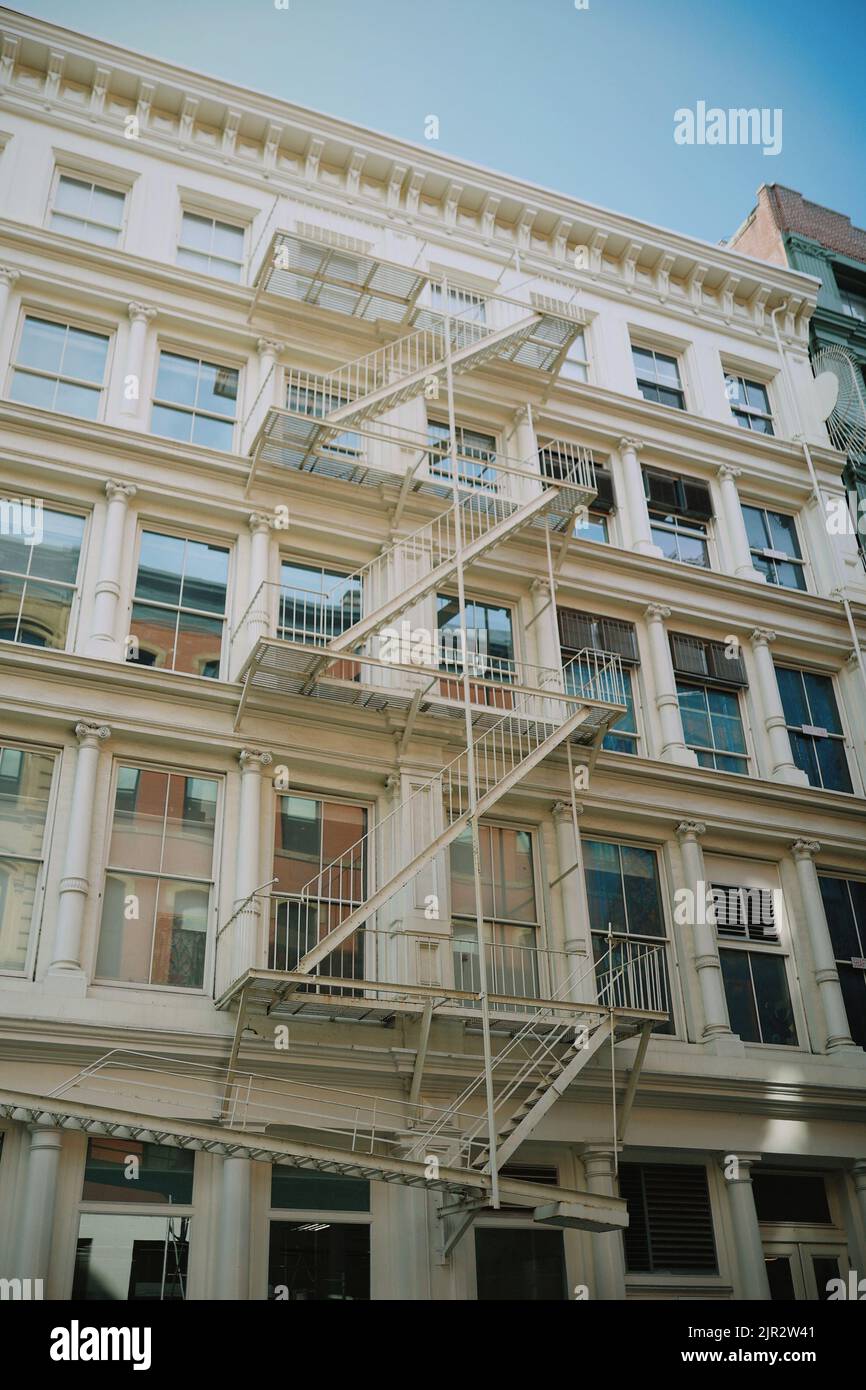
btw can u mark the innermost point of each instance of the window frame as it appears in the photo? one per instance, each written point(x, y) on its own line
point(96, 180)
point(174, 349)
point(585, 362)
point(56, 752)
point(440, 468)
point(743, 414)
point(748, 757)
point(498, 672)
point(101, 330)
point(303, 562)
point(846, 878)
point(295, 1216)
point(769, 555)
point(206, 989)
point(676, 356)
point(843, 738)
point(189, 206)
point(157, 527)
point(75, 607)
point(683, 527)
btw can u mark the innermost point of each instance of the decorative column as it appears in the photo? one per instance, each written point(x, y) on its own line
point(75, 884)
point(140, 316)
point(103, 631)
point(707, 961)
point(823, 956)
point(608, 1256)
point(245, 927)
point(8, 280)
point(266, 388)
point(546, 634)
point(749, 1248)
point(634, 500)
point(232, 1282)
point(36, 1219)
point(735, 526)
point(526, 452)
point(575, 908)
point(258, 617)
point(770, 705)
point(673, 748)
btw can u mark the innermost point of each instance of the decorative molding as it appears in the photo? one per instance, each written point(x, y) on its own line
point(122, 492)
point(86, 732)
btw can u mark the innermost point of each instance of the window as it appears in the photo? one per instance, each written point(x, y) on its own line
point(213, 247)
point(510, 905)
point(814, 728)
point(179, 604)
point(25, 787)
point(622, 887)
point(680, 510)
point(750, 404)
point(59, 367)
point(758, 998)
point(161, 1173)
point(309, 835)
point(38, 579)
point(519, 1265)
point(195, 401)
point(462, 304)
point(158, 882)
point(658, 377)
point(712, 727)
point(316, 604)
point(670, 1225)
point(775, 547)
point(319, 404)
point(578, 631)
point(575, 365)
point(476, 453)
point(853, 297)
point(88, 210)
point(325, 1252)
point(845, 906)
point(791, 1198)
point(490, 642)
point(592, 526)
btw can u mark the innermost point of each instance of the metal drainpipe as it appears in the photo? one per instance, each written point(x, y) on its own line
point(840, 588)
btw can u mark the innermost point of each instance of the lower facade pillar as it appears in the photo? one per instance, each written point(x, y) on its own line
point(737, 1170)
point(608, 1252)
point(36, 1218)
point(232, 1280)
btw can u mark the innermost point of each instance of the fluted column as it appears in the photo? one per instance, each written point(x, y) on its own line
point(575, 908)
point(75, 884)
point(140, 315)
point(608, 1256)
point(673, 748)
point(634, 500)
point(823, 955)
point(747, 1233)
point(36, 1218)
point(735, 526)
point(233, 1231)
point(103, 640)
point(770, 702)
point(246, 925)
point(8, 280)
point(707, 961)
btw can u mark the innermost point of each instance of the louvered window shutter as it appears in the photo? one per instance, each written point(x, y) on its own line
point(744, 914)
point(670, 1228)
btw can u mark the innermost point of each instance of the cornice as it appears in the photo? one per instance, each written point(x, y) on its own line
point(511, 215)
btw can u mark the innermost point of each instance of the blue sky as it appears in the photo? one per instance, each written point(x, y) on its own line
point(581, 101)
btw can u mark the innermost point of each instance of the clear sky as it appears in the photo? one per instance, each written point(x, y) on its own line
point(581, 101)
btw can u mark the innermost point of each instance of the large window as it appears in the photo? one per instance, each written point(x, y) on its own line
point(60, 367)
point(605, 636)
point(814, 728)
point(658, 377)
point(38, 578)
point(490, 646)
point(575, 364)
point(754, 970)
point(775, 548)
point(88, 210)
point(680, 510)
point(709, 675)
point(307, 401)
point(309, 835)
point(519, 1265)
point(510, 906)
point(324, 1251)
point(476, 454)
point(750, 404)
point(670, 1219)
point(195, 401)
point(211, 246)
point(159, 879)
point(316, 604)
point(622, 887)
point(845, 906)
point(25, 787)
point(179, 604)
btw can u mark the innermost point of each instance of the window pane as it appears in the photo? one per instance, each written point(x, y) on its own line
point(217, 389)
point(738, 993)
point(199, 641)
point(228, 241)
point(45, 615)
point(822, 702)
point(305, 1189)
point(840, 918)
point(137, 830)
point(756, 396)
point(131, 1258)
point(82, 401)
point(34, 390)
point(107, 206)
point(41, 345)
point(793, 698)
point(174, 424)
point(755, 528)
point(325, 1262)
point(155, 629)
point(783, 534)
point(17, 898)
point(833, 763)
point(73, 195)
point(641, 891)
point(84, 355)
point(853, 984)
point(791, 1197)
point(205, 577)
point(56, 557)
point(803, 750)
point(126, 931)
point(197, 231)
point(297, 842)
point(177, 379)
point(160, 567)
point(774, 1001)
point(212, 434)
point(189, 826)
point(604, 886)
point(180, 938)
point(696, 722)
point(519, 1265)
point(725, 716)
point(161, 1174)
point(514, 887)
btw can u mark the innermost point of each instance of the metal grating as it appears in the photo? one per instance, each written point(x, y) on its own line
point(341, 281)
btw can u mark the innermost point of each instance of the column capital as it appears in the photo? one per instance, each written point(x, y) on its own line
point(269, 345)
point(540, 586)
point(657, 611)
point(763, 636)
point(8, 276)
point(123, 492)
point(745, 1164)
point(561, 810)
point(858, 1172)
point(91, 735)
point(805, 849)
point(629, 442)
point(140, 313)
point(690, 829)
point(852, 660)
point(727, 471)
point(598, 1158)
point(259, 522)
point(254, 760)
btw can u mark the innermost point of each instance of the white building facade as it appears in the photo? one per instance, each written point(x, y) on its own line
point(186, 540)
